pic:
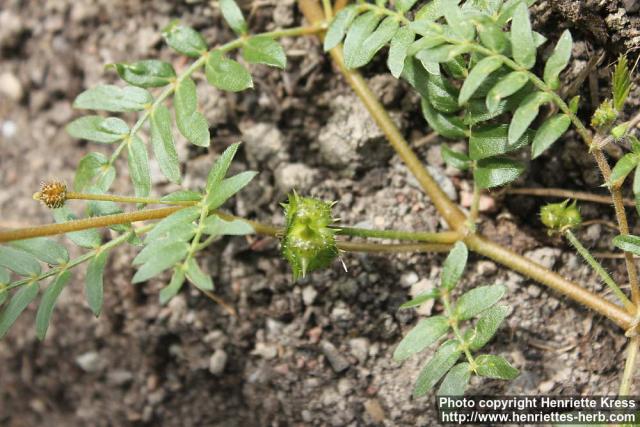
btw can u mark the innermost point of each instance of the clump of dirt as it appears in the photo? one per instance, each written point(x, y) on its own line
point(313, 352)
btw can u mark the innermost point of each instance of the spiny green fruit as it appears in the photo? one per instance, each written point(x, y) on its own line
point(605, 115)
point(558, 216)
point(308, 243)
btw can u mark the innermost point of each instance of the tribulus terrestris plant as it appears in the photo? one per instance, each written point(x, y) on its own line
point(477, 68)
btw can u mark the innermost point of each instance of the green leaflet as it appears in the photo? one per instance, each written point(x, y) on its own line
point(627, 243)
point(46, 250)
point(264, 50)
point(425, 333)
point(454, 266)
point(233, 15)
point(526, 114)
point(161, 260)
point(558, 60)
point(455, 159)
point(86, 238)
point(228, 188)
point(20, 262)
point(457, 21)
point(98, 129)
point(487, 325)
point(477, 76)
point(362, 53)
point(48, 301)
point(444, 359)
point(139, 166)
point(93, 282)
point(216, 226)
point(113, 98)
point(220, 167)
point(339, 26)
point(398, 49)
point(362, 27)
point(477, 300)
point(442, 95)
point(163, 145)
point(197, 276)
point(495, 367)
point(20, 300)
point(404, 6)
point(492, 35)
point(182, 196)
point(522, 42)
point(184, 40)
point(94, 166)
point(621, 83)
point(447, 126)
point(456, 380)
point(174, 286)
point(623, 167)
point(184, 216)
point(550, 131)
point(492, 140)
point(227, 74)
point(443, 53)
point(496, 171)
point(191, 123)
point(146, 73)
point(508, 9)
point(507, 86)
point(421, 299)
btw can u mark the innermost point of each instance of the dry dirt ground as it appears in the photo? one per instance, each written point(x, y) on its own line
point(314, 352)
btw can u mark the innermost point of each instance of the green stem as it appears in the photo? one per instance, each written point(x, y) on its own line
point(584, 252)
point(475, 208)
point(447, 237)
point(453, 322)
point(629, 367)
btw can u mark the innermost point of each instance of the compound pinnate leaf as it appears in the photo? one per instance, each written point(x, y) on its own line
point(522, 42)
point(339, 26)
point(182, 217)
point(146, 73)
point(45, 250)
point(624, 167)
point(444, 359)
point(477, 300)
point(526, 114)
point(19, 262)
point(227, 188)
point(184, 39)
point(90, 167)
point(420, 299)
point(191, 123)
point(89, 239)
point(425, 333)
point(455, 159)
point(491, 366)
point(454, 266)
point(98, 129)
point(264, 50)
point(398, 50)
point(628, 243)
point(456, 380)
point(447, 126)
point(174, 286)
point(94, 282)
point(233, 15)
point(113, 98)
point(492, 140)
point(497, 171)
point(487, 325)
point(48, 302)
point(162, 260)
point(558, 60)
point(362, 27)
point(138, 159)
point(477, 76)
point(227, 74)
point(197, 276)
point(221, 166)
point(217, 226)
point(507, 86)
point(20, 300)
point(163, 145)
point(550, 131)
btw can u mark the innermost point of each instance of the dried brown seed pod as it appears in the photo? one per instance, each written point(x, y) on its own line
point(52, 193)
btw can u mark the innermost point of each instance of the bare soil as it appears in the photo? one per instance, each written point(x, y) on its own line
point(317, 351)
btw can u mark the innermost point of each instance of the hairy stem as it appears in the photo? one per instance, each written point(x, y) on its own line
point(449, 211)
point(567, 194)
point(446, 237)
point(597, 267)
point(629, 367)
point(124, 199)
